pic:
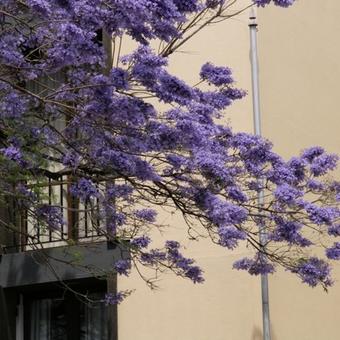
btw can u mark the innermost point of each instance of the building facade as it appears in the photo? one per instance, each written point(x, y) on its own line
point(299, 67)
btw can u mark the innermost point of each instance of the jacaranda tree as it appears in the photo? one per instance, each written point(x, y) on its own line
point(68, 109)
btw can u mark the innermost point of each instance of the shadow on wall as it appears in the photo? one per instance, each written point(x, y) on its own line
point(257, 334)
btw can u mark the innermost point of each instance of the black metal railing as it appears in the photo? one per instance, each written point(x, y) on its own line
point(82, 221)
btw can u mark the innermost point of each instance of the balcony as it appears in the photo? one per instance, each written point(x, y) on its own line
point(34, 254)
point(81, 221)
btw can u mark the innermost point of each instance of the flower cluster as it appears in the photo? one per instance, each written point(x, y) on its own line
point(229, 236)
point(52, 216)
point(84, 189)
point(256, 266)
point(122, 267)
point(183, 264)
point(334, 251)
point(116, 298)
point(148, 215)
point(140, 242)
point(281, 3)
point(172, 257)
point(135, 135)
point(216, 75)
point(313, 271)
point(12, 153)
point(287, 194)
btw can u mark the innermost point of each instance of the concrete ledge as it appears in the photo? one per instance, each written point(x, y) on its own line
point(61, 263)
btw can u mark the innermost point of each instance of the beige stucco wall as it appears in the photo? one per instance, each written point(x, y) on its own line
point(299, 70)
point(227, 305)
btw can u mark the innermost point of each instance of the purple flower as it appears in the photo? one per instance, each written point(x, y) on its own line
point(223, 213)
point(334, 230)
point(261, 3)
point(71, 160)
point(194, 273)
point(255, 186)
point(126, 152)
point(298, 168)
point(171, 89)
point(216, 75)
point(119, 191)
point(243, 264)
point(230, 235)
point(187, 5)
point(51, 215)
point(213, 3)
point(12, 153)
point(311, 153)
point(315, 185)
point(84, 189)
point(122, 267)
point(40, 6)
point(283, 3)
point(119, 78)
point(333, 252)
point(257, 266)
point(237, 194)
point(146, 65)
point(322, 164)
point(234, 93)
point(313, 271)
point(176, 161)
point(26, 195)
point(219, 100)
point(153, 257)
point(185, 266)
point(289, 231)
point(114, 299)
point(287, 194)
point(171, 245)
point(321, 215)
point(140, 242)
point(13, 105)
point(148, 215)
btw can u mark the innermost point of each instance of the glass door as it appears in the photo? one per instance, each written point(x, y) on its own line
point(66, 318)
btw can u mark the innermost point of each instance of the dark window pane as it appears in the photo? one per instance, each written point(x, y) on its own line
point(61, 319)
point(48, 319)
point(94, 319)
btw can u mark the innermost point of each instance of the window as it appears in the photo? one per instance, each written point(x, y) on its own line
point(65, 317)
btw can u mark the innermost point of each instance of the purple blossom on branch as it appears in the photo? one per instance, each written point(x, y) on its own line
point(148, 215)
point(289, 231)
point(185, 265)
point(84, 189)
point(147, 138)
point(115, 298)
point(256, 266)
point(51, 215)
point(281, 3)
point(140, 242)
point(287, 194)
point(323, 164)
point(334, 251)
point(314, 271)
point(122, 267)
point(12, 153)
point(216, 75)
point(230, 235)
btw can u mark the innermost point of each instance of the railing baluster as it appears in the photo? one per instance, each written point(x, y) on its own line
point(49, 203)
point(61, 193)
point(83, 220)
